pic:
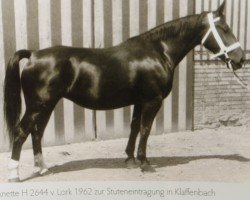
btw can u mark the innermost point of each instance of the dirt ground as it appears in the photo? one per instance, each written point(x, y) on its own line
point(221, 155)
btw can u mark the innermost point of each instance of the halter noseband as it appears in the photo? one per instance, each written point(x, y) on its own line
point(224, 50)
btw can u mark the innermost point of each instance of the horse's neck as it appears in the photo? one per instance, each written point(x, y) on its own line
point(179, 47)
point(178, 38)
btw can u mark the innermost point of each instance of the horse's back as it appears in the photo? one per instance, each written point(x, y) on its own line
point(95, 78)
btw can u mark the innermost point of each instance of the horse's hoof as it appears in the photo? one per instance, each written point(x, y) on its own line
point(147, 168)
point(44, 172)
point(36, 170)
point(131, 163)
point(14, 180)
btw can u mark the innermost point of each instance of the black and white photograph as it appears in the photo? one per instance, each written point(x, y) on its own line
point(125, 90)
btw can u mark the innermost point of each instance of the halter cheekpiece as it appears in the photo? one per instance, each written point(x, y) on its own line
point(224, 50)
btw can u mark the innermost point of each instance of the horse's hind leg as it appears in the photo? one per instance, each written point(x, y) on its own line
point(34, 122)
point(22, 131)
point(37, 135)
point(135, 128)
point(149, 111)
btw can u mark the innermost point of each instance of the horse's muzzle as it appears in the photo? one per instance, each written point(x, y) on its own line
point(238, 65)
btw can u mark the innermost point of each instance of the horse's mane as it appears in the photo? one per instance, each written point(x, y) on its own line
point(171, 29)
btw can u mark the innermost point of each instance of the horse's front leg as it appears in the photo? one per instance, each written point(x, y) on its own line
point(149, 111)
point(135, 128)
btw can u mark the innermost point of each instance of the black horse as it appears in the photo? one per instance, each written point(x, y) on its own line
point(137, 72)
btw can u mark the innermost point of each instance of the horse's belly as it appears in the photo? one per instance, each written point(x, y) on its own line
point(104, 102)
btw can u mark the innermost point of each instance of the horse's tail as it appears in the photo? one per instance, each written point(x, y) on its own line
point(12, 92)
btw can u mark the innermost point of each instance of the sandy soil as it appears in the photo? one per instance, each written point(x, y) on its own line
point(208, 155)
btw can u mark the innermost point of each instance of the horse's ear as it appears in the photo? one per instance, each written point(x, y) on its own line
point(221, 9)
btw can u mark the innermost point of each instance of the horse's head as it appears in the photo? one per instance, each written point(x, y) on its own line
point(220, 39)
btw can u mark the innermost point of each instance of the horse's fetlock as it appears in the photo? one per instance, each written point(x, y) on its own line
point(129, 152)
point(13, 164)
point(141, 157)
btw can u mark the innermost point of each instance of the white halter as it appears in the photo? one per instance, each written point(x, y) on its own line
point(224, 50)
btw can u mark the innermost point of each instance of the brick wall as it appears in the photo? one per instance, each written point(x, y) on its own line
point(219, 100)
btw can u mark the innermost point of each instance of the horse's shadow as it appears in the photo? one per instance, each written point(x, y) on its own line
point(114, 163)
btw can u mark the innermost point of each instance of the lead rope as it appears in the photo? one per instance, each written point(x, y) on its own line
point(236, 77)
point(223, 49)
